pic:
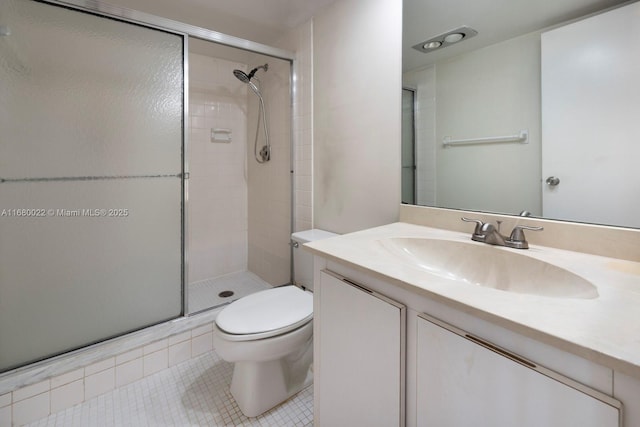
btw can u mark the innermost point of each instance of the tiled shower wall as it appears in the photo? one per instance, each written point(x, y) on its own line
point(218, 182)
point(234, 202)
point(270, 182)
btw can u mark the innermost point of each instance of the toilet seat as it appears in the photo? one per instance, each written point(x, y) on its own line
point(266, 314)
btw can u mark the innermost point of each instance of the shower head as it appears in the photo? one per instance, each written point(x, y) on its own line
point(246, 78)
point(265, 152)
point(242, 76)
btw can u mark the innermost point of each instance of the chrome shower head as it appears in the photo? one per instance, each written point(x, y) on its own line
point(242, 76)
point(246, 78)
point(265, 152)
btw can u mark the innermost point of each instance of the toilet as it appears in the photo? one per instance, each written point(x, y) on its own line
point(268, 336)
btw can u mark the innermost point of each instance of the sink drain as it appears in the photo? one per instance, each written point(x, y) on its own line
point(225, 294)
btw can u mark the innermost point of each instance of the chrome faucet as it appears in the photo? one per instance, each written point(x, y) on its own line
point(491, 235)
point(486, 232)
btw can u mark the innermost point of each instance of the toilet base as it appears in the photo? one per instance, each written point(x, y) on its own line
point(260, 386)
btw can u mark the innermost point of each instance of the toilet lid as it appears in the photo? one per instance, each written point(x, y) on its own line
point(273, 310)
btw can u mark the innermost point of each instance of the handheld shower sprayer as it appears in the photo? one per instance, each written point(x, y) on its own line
point(265, 152)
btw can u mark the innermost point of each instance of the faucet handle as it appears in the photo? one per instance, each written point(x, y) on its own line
point(517, 239)
point(479, 224)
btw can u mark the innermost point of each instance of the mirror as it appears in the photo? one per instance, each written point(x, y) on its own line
point(501, 122)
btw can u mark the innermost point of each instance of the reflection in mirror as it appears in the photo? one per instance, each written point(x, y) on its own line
point(541, 103)
point(408, 142)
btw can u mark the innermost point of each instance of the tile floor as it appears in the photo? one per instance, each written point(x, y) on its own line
point(193, 393)
point(204, 294)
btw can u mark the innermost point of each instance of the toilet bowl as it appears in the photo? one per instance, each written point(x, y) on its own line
point(268, 335)
point(269, 338)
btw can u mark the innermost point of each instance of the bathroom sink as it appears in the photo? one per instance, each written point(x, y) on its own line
point(489, 266)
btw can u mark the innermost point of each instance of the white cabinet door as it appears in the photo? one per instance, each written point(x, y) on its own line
point(464, 381)
point(360, 362)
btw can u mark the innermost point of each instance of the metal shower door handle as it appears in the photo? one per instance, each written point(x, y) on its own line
point(552, 181)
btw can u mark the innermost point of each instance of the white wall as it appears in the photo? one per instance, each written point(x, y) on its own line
point(357, 108)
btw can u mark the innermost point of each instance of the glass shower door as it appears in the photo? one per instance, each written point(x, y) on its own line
point(91, 137)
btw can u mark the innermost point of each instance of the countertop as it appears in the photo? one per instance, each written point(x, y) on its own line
point(604, 329)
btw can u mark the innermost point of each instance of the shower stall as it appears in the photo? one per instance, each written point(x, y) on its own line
point(130, 191)
point(239, 211)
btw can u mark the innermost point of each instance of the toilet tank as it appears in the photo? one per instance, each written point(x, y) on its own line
point(303, 260)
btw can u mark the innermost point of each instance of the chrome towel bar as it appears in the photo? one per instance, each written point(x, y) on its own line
point(522, 137)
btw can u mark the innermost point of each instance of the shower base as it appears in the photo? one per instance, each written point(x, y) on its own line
point(214, 292)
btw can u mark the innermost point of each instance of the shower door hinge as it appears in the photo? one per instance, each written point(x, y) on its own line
point(186, 175)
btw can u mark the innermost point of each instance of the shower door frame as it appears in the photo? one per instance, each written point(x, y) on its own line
point(103, 9)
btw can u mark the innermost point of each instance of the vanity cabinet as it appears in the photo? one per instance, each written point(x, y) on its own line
point(359, 347)
point(464, 380)
point(385, 355)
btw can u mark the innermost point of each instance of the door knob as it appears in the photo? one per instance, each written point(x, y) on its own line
point(553, 181)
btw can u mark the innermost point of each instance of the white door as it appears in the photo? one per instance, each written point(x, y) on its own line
point(590, 114)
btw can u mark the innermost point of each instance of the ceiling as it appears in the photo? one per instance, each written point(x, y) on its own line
point(263, 21)
point(495, 21)
point(266, 21)
point(271, 13)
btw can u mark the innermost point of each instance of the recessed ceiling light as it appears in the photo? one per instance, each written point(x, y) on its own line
point(432, 45)
point(453, 37)
point(446, 39)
